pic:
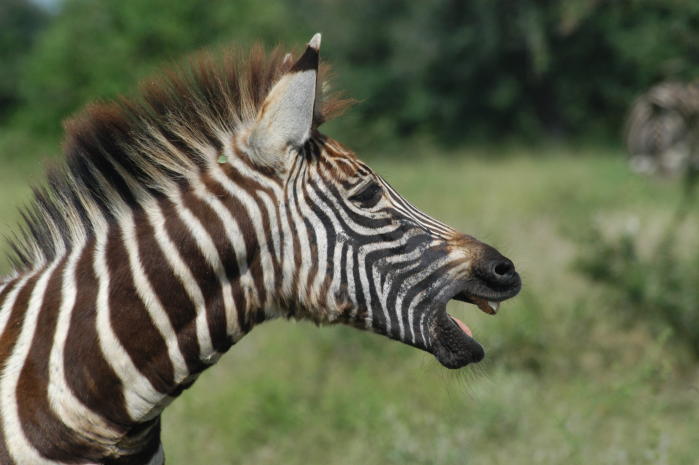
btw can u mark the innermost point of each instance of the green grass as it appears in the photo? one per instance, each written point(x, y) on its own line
point(565, 379)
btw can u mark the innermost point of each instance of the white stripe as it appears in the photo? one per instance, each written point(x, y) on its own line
point(392, 262)
point(337, 252)
point(361, 266)
point(150, 299)
point(10, 301)
point(17, 443)
point(63, 402)
point(362, 253)
point(255, 215)
point(355, 227)
point(287, 262)
point(336, 272)
point(208, 249)
point(236, 243)
point(276, 233)
point(432, 225)
point(407, 283)
point(414, 281)
point(234, 159)
point(186, 278)
point(299, 230)
point(320, 234)
point(139, 394)
point(426, 341)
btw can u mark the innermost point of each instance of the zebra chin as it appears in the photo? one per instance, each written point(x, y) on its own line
point(451, 341)
point(451, 345)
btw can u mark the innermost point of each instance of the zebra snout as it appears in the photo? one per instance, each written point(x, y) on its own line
point(497, 271)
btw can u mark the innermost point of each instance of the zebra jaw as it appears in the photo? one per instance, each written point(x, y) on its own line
point(454, 345)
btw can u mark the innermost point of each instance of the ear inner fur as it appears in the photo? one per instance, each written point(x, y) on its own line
point(286, 116)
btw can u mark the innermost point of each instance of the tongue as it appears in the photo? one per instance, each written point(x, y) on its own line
point(462, 325)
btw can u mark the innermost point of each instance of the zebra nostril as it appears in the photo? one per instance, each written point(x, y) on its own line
point(498, 271)
point(503, 268)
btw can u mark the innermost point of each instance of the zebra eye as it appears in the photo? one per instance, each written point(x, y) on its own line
point(368, 196)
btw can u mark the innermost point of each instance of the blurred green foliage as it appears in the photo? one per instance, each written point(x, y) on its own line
point(20, 23)
point(657, 284)
point(98, 49)
point(450, 70)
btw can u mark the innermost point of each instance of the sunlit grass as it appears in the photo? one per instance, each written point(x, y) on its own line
point(565, 381)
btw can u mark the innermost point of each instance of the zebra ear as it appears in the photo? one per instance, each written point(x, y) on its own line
point(286, 116)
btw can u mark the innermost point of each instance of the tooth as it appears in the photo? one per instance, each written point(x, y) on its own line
point(494, 306)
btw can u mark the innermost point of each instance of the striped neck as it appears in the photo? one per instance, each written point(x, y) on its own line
point(117, 327)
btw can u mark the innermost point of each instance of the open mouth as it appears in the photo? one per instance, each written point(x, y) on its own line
point(454, 344)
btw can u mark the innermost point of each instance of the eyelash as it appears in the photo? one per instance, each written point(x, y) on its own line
point(369, 196)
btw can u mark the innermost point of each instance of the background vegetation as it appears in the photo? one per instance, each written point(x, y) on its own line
point(500, 117)
point(454, 70)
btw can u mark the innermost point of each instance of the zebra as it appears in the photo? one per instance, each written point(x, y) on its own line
point(662, 130)
point(662, 137)
point(182, 218)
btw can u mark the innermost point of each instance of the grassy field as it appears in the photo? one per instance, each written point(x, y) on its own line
point(565, 379)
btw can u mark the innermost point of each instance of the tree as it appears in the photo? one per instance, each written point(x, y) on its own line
point(100, 49)
point(20, 22)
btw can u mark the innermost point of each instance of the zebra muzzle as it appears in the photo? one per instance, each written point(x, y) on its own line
point(453, 343)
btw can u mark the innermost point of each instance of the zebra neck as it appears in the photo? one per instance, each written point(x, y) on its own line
point(106, 336)
point(184, 281)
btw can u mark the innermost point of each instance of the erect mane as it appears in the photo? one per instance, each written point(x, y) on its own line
point(124, 152)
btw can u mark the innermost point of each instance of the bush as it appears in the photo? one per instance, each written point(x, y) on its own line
point(20, 23)
point(97, 50)
point(660, 287)
point(487, 68)
point(452, 70)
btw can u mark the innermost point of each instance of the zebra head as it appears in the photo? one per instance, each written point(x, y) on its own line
point(355, 251)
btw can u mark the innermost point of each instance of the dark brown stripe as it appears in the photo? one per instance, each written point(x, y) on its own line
point(46, 432)
point(309, 231)
point(131, 322)
point(172, 294)
point(253, 249)
point(203, 273)
point(268, 172)
point(215, 309)
point(252, 187)
point(7, 345)
point(312, 235)
point(88, 374)
point(151, 443)
point(296, 246)
point(328, 230)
